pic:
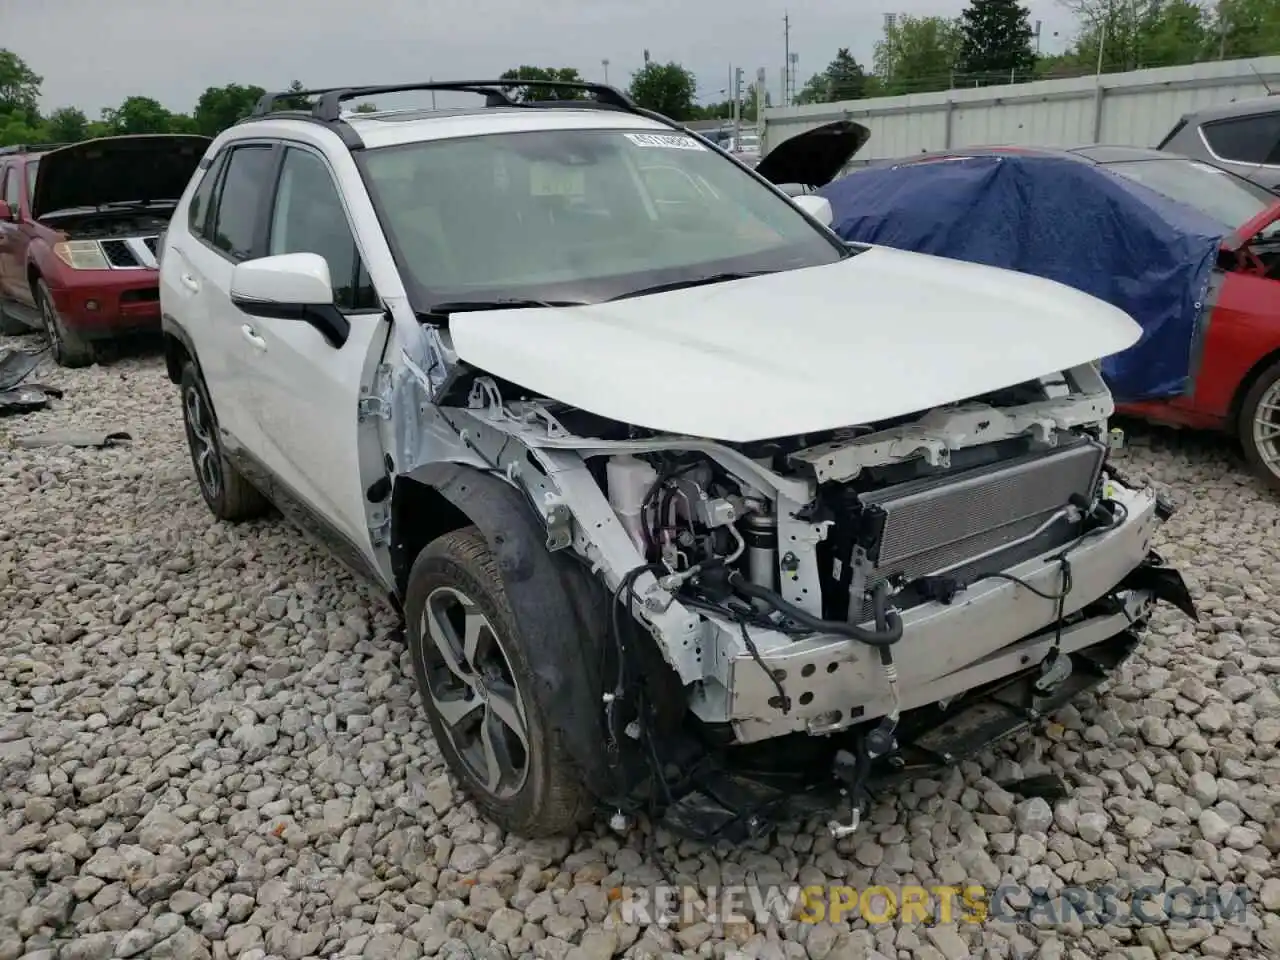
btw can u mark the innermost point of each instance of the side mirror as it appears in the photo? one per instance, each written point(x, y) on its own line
point(815, 206)
point(290, 286)
point(7, 213)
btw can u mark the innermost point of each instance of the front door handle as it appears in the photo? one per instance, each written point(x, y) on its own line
point(252, 336)
point(190, 282)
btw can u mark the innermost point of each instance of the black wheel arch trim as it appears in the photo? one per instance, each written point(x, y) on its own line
point(169, 327)
point(561, 609)
point(1247, 382)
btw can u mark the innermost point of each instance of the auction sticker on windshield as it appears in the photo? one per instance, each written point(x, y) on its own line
point(667, 140)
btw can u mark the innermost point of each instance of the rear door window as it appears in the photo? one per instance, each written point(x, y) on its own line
point(1253, 139)
point(33, 167)
point(244, 187)
point(10, 195)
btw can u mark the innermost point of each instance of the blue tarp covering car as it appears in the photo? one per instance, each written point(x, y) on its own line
point(1058, 218)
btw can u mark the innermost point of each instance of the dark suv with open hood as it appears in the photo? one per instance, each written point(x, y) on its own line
point(79, 232)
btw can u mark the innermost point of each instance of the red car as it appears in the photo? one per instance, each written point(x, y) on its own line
point(1234, 384)
point(79, 229)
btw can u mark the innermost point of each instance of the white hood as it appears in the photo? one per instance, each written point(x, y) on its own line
point(879, 335)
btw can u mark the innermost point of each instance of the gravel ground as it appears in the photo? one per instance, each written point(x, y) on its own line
point(210, 746)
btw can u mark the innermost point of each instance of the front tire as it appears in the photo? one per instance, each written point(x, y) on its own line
point(1259, 426)
point(69, 349)
point(473, 669)
point(229, 495)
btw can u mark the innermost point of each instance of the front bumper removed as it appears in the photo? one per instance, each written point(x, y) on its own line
point(991, 630)
point(735, 803)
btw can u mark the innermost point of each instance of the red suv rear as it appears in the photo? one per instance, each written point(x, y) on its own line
point(79, 231)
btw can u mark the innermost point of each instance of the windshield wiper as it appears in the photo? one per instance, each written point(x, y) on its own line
point(515, 303)
point(695, 282)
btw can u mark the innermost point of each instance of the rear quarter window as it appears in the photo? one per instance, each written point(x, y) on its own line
point(198, 211)
point(1254, 139)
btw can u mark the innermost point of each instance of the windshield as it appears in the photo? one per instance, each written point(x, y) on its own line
point(1216, 193)
point(578, 215)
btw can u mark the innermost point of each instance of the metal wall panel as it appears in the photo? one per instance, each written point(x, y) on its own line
point(1131, 109)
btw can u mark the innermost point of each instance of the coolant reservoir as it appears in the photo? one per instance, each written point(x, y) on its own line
point(630, 479)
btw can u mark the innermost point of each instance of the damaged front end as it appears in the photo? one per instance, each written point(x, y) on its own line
point(784, 627)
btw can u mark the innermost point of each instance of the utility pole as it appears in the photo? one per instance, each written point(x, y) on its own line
point(737, 108)
point(605, 63)
point(786, 70)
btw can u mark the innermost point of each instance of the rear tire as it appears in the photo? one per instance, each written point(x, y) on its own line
point(474, 674)
point(1259, 426)
point(69, 349)
point(229, 495)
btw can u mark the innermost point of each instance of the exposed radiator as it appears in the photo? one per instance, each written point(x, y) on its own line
point(935, 524)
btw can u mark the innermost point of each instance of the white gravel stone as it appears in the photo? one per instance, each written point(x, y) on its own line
point(211, 747)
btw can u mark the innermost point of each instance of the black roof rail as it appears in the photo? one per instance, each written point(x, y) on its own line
point(328, 107)
point(32, 148)
point(267, 102)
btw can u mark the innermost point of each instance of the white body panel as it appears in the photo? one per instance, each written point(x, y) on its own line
point(193, 285)
point(880, 335)
point(305, 395)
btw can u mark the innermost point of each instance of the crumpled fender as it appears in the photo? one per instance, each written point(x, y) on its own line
point(562, 610)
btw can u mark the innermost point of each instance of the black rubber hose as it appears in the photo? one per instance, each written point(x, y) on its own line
point(888, 624)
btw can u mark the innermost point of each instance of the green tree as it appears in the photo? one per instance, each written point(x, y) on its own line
point(19, 87)
point(667, 88)
point(995, 44)
point(1163, 33)
point(1245, 28)
point(532, 75)
point(1175, 32)
point(297, 102)
point(66, 125)
point(220, 107)
point(843, 79)
point(138, 115)
point(917, 54)
point(15, 129)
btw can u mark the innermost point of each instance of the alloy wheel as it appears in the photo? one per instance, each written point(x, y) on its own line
point(203, 449)
point(473, 690)
point(1266, 428)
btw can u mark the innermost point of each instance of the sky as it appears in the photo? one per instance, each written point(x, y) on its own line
point(93, 54)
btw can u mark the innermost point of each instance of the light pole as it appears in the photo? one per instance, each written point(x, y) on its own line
point(605, 63)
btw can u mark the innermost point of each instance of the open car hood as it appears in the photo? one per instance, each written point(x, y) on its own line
point(881, 334)
point(816, 157)
point(93, 173)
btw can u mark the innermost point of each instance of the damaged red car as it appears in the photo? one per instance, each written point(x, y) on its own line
point(79, 231)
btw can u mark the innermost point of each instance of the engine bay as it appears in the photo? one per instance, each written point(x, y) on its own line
point(112, 224)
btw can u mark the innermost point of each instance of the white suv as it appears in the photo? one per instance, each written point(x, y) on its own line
point(690, 508)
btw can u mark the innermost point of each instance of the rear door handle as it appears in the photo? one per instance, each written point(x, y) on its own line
point(252, 336)
point(190, 282)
